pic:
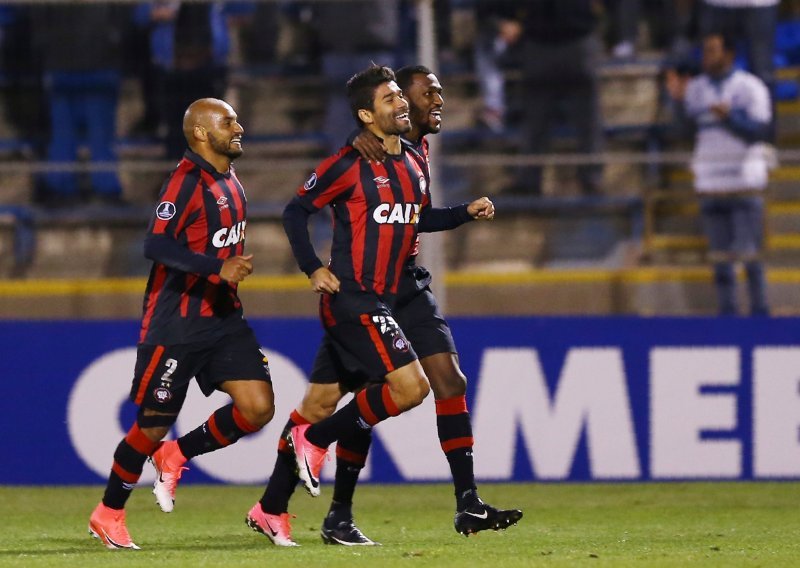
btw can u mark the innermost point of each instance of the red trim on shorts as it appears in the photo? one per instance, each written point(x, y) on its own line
point(364, 409)
point(391, 407)
point(377, 342)
point(298, 418)
point(212, 427)
point(352, 457)
point(148, 374)
point(451, 406)
point(242, 423)
point(458, 443)
point(137, 440)
point(124, 474)
point(283, 446)
point(325, 311)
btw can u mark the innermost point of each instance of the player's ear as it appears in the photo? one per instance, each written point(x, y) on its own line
point(200, 132)
point(365, 116)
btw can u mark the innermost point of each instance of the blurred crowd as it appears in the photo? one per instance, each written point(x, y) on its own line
point(63, 64)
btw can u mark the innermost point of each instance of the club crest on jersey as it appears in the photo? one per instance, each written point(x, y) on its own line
point(310, 182)
point(401, 213)
point(381, 181)
point(162, 395)
point(423, 185)
point(165, 210)
point(228, 236)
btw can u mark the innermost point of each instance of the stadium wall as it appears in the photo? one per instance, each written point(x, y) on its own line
point(552, 399)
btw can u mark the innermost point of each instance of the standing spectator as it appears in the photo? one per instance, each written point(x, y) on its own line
point(352, 35)
point(498, 30)
point(753, 21)
point(561, 51)
point(731, 112)
point(189, 46)
point(81, 51)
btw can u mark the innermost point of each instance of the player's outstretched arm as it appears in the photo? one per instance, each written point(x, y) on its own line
point(481, 209)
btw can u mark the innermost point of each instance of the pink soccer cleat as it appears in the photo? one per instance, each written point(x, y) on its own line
point(309, 458)
point(108, 526)
point(275, 527)
point(168, 462)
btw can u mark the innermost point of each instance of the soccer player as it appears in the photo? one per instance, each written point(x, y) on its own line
point(419, 317)
point(193, 324)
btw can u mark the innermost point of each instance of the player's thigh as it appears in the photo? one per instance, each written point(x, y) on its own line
point(162, 374)
point(444, 375)
point(408, 385)
point(373, 341)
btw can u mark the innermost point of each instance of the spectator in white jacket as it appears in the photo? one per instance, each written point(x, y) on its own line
point(731, 112)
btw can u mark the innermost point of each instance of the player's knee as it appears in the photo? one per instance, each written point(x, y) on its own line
point(319, 403)
point(154, 425)
point(449, 385)
point(416, 393)
point(258, 412)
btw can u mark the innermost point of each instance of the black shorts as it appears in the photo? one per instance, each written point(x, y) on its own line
point(364, 334)
point(424, 325)
point(334, 366)
point(163, 372)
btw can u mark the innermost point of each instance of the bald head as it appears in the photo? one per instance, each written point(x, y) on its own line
point(202, 112)
point(212, 130)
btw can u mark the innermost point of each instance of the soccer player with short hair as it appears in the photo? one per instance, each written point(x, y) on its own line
point(418, 315)
point(193, 324)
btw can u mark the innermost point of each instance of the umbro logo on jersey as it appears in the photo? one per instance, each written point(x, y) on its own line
point(165, 210)
point(223, 203)
point(401, 213)
point(381, 181)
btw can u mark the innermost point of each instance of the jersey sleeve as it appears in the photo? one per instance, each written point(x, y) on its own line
point(332, 180)
point(179, 205)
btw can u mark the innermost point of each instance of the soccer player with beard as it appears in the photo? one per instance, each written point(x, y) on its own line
point(418, 316)
point(193, 324)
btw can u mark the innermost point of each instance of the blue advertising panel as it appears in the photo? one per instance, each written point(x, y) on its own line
point(551, 399)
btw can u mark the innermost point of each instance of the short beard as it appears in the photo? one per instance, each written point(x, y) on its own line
point(224, 149)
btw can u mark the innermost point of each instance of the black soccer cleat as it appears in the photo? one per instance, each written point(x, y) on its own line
point(480, 517)
point(345, 533)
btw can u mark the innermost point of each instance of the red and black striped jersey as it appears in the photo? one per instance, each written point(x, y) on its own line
point(199, 221)
point(421, 147)
point(376, 210)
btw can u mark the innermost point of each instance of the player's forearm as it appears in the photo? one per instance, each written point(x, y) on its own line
point(169, 252)
point(745, 127)
point(434, 219)
point(295, 224)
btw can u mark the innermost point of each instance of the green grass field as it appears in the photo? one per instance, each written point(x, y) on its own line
point(679, 524)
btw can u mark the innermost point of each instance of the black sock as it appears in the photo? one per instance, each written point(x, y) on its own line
point(368, 407)
point(455, 435)
point(129, 458)
point(283, 480)
point(222, 428)
point(351, 456)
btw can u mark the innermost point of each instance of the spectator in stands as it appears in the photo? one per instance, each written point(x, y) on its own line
point(352, 35)
point(560, 58)
point(731, 112)
point(753, 21)
point(81, 51)
point(499, 28)
point(189, 46)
